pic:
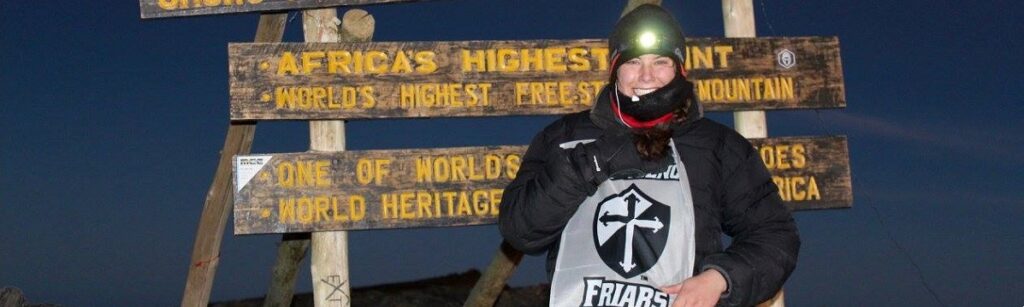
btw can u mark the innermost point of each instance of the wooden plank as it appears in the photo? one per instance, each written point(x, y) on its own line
point(180, 8)
point(811, 172)
point(290, 252)
point(329, 264)
point(738, 17)
point(372, 189)
point(442, 187)
point(487, 289)
point(206, 248)
point(297, 81)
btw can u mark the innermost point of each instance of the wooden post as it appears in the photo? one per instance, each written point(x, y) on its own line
point(632, 4)
point(290, 252)
point(330, 249)
point(739, 22)
point(492, 282)
point(206, 249)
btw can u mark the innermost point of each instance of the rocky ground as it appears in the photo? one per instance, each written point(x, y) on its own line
point(451, 290)
point(13, 297)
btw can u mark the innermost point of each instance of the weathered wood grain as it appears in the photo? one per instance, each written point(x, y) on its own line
point(296, 81)
point(329, 265)
point(381, 189)
point(290, 252)
point(492, 281)
point(210, 232)
point(795, 161)
point(180, 8)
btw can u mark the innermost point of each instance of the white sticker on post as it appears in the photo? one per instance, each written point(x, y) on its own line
point(246, 167)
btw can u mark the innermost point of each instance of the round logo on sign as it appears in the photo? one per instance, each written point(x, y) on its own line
point(786, 58)
point(630, 231)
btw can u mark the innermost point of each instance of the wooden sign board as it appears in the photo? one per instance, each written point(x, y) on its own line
point(381, 189)
point(181, 8)
point(301, 81)
point(811, 172)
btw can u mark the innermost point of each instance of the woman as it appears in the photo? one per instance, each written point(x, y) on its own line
point(630, 199)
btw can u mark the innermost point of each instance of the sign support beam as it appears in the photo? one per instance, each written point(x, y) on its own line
point(206, 249)
point(330, 249)
point(290, 252)
point(492, 281)
point(739, 22)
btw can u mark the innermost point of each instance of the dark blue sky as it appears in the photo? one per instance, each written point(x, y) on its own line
point(110, 128)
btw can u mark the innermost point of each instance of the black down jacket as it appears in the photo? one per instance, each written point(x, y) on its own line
point(732, 191)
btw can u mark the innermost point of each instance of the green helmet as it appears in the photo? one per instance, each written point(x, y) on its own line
point(648, 29)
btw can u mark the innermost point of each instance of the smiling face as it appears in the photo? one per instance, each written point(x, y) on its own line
point(642, 75)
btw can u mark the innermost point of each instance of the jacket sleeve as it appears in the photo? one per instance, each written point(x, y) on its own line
point(765, 242)
point(539, 202)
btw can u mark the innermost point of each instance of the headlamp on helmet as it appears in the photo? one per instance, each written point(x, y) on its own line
point(647, 40)
point(648, 29)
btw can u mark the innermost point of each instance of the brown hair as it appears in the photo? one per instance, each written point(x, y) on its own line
point(652, 143)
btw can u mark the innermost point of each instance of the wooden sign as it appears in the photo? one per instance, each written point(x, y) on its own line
point(380, 189)
point(376, 189)
point(180, 8)
point(811, 172)
point(298, 81)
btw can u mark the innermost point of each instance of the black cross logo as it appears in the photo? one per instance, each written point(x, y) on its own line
point(631, 222)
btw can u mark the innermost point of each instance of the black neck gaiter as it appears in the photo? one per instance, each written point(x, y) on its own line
point(656, 104)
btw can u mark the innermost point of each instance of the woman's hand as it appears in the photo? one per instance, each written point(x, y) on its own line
point(702, 290)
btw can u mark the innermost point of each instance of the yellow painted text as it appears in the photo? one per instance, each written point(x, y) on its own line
point(444, 95)
point(324, 97)
point(462, 168)
point(746, 89)
point(557, 94)
point(296, 174)
point(707, 57)
point(552, 59)
point(372, 171)
point(783, 156)
point(321, 208)
point(797, 188)
point(422, 204)
point(184, 4)
point(344, 62)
